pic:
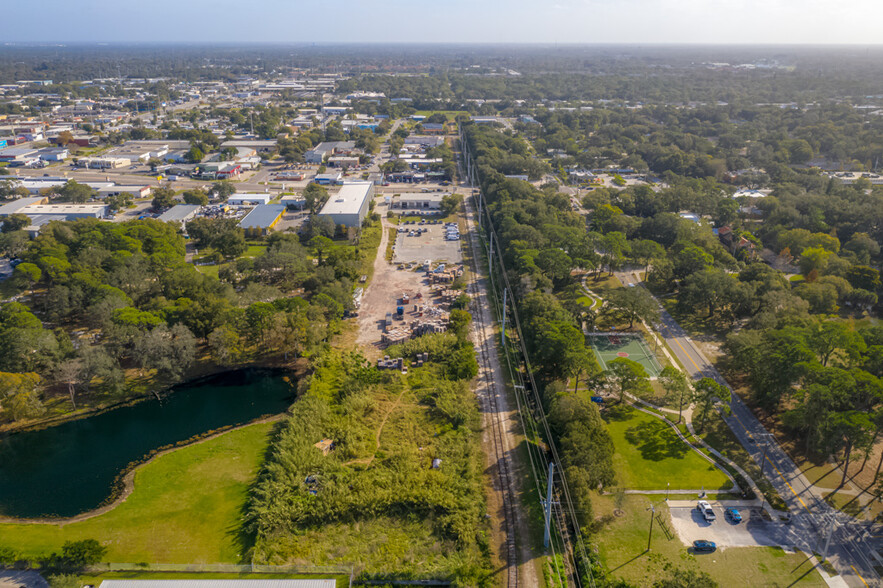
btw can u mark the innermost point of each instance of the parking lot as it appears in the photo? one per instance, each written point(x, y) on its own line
point(429, 244)
point(753, 531)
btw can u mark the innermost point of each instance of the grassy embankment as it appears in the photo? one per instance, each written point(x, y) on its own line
point(186, 507)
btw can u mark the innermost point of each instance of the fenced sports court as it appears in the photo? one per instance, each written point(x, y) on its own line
point(609, 346)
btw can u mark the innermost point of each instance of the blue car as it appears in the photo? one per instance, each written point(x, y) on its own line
point(734, 515)
point(702, 546)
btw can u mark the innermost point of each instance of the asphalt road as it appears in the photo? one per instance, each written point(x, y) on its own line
point(812, 518)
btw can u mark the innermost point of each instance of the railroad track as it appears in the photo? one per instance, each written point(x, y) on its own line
point(489, 395)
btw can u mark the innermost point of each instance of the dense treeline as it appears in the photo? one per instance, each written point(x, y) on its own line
point(105, 305)
point(710, 140)
point(805, 345)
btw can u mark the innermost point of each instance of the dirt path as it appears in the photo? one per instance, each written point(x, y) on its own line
point(129, 482)
point(367, 460)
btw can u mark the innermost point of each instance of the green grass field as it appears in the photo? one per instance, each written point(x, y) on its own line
point(648, 455)
point(186, 507)
point(622, 544)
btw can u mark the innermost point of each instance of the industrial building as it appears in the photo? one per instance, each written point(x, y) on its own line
point(318, 153)
point(18, 206)
point(349, 206)
point(180, 213)
point(248, 199)
point(262, 218)
point(419, 201)
point(328, 179)
point(11, 154)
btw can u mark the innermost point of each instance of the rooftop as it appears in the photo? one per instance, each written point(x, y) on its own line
point(349, 200)
point(262, 216)
point(179, 212)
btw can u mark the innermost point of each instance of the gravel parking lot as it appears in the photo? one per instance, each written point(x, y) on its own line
point(753, 531)
point(430, 245)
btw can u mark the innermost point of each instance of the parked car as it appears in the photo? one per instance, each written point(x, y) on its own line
point(734, 515)
point(706, 511)
point(703, 546)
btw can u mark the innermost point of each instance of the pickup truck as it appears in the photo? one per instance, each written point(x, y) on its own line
point(705, 508)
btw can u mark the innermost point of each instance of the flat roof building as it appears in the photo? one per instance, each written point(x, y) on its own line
point(17, 153)
point(419, 201)
point(16, 206)
point(244, 199)
point(180, 213)
point(262, 218)
point(349, 206)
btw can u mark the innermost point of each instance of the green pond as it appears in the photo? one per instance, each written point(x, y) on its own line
point(70, 468)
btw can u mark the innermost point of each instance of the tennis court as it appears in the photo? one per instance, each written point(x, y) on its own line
point(609, 346)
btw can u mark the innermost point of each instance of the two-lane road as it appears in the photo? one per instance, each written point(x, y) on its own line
point(810, 513)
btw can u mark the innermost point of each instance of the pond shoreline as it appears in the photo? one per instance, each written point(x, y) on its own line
point(125, 483)
point(297, 369)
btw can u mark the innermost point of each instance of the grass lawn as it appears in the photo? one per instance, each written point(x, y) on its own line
point(208, 270)
point(186, 507)
point(254, 250)
point(648, 454)
point(622, 544)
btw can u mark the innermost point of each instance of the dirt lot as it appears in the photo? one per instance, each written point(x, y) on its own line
point(385, 288)
point(430, 245)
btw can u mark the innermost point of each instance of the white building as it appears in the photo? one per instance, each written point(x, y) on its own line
point(248, 199)
point(349, 206)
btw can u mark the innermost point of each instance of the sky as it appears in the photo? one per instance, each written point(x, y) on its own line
point(444, 21)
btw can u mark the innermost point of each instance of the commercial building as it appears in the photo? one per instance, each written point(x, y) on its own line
point(328, 179)
point(293, 202)
point(66, 211)
point(260, 146)
point(18, 206)
point(180, 213)
point(262, 218)
point(248, 199)
point(424, 141)
point(103, 162)
point(116, 190)
point(54, 154)
point(349, 206)
point(11, 154)
point(318, 153)
point(343, 161)
point(418, 201)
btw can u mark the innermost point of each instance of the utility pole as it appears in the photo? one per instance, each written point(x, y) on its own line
point(547, 508)
point(828, 540)
point(503, 332)
point(652, 510)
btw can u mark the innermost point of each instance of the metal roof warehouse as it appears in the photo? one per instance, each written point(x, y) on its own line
point(263, 217)
point(349, 206)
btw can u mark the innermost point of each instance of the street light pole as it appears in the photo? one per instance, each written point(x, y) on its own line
point(667, 488)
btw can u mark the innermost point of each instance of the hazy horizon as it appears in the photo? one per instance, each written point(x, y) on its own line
point(565, 22)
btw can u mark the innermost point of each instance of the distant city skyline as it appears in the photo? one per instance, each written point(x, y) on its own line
point(449, 21)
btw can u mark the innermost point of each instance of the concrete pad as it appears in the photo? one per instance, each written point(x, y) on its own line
point(753, 531)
